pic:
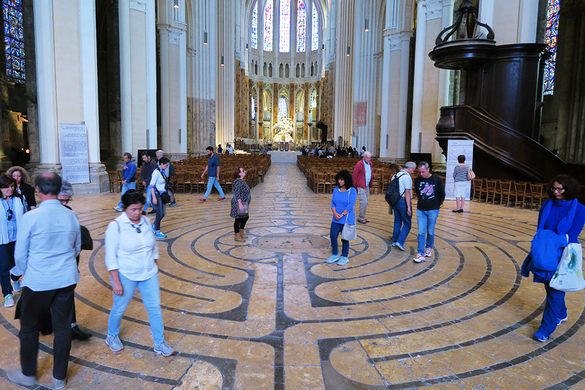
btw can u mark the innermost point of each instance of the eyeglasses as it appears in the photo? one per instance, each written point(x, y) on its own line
point(557, 189)
point(138, 230)
point(9, 214)
point(65, 201)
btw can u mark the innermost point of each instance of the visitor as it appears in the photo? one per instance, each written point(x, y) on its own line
point(131, 259)
point(342, 208)
point(212, 171)
point(362, 177)
point(170, 174)
point(403, 209)
point(10, 220)
point(47, 242)
point(128, 178)
point(460, 180)
point(240, 204)
point(159, 195)
point(219, 149)
point(23, 190)
point(148, 166)
point(364, 150)
point(564, 217)
point(229, 150)
point(431, 194)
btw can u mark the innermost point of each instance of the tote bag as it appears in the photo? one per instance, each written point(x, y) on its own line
point(349, 232)
point(569, 274)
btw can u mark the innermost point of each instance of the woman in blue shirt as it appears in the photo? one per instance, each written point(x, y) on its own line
point(342, 208)
point(10, 214)
point(565, 216)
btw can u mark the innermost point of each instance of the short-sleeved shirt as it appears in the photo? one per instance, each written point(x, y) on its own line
point(460, 172)
point(404, 182)
point(212, 165)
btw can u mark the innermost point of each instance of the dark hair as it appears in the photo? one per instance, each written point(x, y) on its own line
point(6, 181)
point(163, 160)
point(48, 183)
point(128, 155)
point(569, 183)
point(237, 172)
point(210, 148)
point(346, 176)
point(461, 158)
point(423, 164)
point(131, 197)
point(145, 154)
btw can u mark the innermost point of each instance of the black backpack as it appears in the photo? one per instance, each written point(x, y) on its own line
point(393, 194)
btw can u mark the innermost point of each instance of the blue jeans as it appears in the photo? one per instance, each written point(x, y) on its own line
point(125, 188)
point(160, 212)
point(150, 294)
point(334, 232)
point(148, 198)
point(426, 229)
point(555, 309)
point(213, 182)
point(402, 222)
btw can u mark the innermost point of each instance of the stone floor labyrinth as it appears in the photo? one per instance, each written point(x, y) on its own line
point(269, 314)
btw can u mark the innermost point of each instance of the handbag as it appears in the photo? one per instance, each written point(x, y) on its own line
point(470, 174)
point(349, 231)
point(569, 274)
point(244, 210)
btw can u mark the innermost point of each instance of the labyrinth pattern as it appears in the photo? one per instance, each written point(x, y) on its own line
point(270, 314)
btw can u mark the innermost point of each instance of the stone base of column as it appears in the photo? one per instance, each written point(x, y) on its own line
point(176, 156)
point(5, 163)
point(98, 177)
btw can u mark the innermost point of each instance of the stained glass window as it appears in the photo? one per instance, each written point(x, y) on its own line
point(253, 108)
point(14, 40)
point(550, 38)
point(301, 26)
point(315, 29)
point(254, 27)
point(284, 26)
point(268, 26)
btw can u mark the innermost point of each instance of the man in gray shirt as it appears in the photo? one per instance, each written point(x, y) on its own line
point(47, 243)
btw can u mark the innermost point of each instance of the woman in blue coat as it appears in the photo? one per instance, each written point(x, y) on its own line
point(342, 208)
point(563, 217)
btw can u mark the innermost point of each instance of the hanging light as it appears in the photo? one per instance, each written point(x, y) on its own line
point(205, 38)
point(247, 46)
point(176, 5)
point(222, 64)
point(348, 51)
point(366, 25)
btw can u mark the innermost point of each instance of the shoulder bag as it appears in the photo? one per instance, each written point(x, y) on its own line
point(349, 231)
point(470, 174)
point(569, 274)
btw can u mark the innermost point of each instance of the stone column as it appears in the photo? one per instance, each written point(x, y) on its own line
point(173, 52)
point(364, 75)
point(420, 55)
point(226, 74)
point(67, 82)
point(138, 98)
point(528, 21)
point(486, 12)
point(342, 122)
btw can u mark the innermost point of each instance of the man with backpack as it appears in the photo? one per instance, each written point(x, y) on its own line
point(399, 196)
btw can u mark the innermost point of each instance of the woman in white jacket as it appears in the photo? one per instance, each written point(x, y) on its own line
point(131, 256)
point(10, 215)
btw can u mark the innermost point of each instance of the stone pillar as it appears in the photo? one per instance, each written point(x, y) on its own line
point(226, 75)
point(528, 21)
point(173, 73)
point(486, 12)
point(67, 82)
point(138, 98)
point(420, 56)
point(364, 75)
point(342, 121)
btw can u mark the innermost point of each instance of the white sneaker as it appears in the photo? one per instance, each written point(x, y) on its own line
point(419, 258)
point(8, 300)
point(428, 252)
point(164, 349)
point(400, 246)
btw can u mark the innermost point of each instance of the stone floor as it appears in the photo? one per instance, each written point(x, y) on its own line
point(269, 314)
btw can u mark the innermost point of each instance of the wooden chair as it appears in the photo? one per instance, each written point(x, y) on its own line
point(476, 188)
point(519, 193)
point(505, 191)
point(537, 193)
point(490, 189)
point(115, 178)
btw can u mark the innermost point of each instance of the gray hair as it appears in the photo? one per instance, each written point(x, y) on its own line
point(423, 164)
point(409, 165)
point(367, 154)
point(161, 152)
point(66, 189)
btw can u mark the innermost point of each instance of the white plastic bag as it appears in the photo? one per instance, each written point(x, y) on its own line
point(569, 274)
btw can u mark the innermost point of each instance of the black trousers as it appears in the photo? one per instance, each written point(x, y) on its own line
point(240, 223)
point(34, 305)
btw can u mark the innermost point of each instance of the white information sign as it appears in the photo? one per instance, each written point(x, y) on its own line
point(455, 147)
point(74, 152)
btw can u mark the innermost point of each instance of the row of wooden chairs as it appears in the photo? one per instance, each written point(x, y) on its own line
point(509, 192)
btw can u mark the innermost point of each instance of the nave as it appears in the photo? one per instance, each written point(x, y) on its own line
point(269, 314)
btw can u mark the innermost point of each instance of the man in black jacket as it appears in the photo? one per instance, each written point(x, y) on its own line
point(148, 166)
point(431, 194)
